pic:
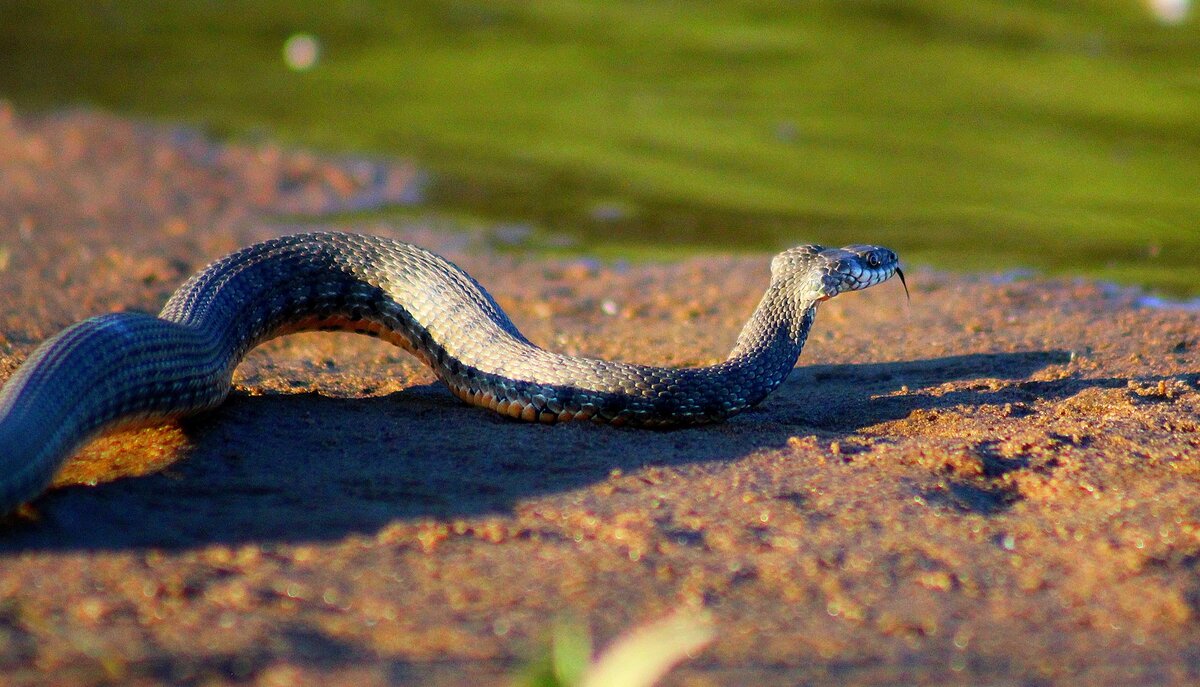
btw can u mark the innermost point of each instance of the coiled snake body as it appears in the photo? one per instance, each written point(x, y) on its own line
point(118, 369)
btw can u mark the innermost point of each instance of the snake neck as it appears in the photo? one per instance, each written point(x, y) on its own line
point(769, 344)
point(778, 328)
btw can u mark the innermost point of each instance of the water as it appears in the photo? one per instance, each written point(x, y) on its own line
point(973, 136)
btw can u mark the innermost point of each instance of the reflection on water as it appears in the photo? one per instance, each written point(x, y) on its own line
point(1169, 11)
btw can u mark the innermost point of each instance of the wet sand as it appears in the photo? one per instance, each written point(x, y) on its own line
point(998, 483)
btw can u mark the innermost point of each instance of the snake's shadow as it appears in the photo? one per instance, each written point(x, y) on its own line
point(293, 468)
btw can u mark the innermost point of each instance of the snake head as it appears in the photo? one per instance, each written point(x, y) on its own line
point(820, 273)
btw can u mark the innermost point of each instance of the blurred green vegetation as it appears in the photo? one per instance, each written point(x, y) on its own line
point(1062, 136)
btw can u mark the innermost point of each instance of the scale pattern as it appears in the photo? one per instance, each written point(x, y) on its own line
point(126, 368)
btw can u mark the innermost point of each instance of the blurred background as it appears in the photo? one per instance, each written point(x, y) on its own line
point(1058, 136)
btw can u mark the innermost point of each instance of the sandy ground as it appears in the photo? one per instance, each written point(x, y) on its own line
point(997, 484)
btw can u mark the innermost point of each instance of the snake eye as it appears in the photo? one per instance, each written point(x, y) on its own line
point(873, 260)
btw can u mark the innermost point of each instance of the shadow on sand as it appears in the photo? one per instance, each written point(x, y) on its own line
point(292, 468)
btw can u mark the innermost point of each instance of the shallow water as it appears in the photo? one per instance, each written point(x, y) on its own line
point(981, 136)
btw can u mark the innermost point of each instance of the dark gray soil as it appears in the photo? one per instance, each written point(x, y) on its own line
point(996, 484)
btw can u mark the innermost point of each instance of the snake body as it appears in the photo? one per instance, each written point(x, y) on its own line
point(123, 368)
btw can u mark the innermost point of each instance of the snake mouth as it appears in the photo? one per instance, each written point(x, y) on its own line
point(876, 279)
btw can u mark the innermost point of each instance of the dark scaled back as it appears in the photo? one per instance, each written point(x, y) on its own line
point(111, 369)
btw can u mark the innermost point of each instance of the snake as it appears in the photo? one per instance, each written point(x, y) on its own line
point(126, 369)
